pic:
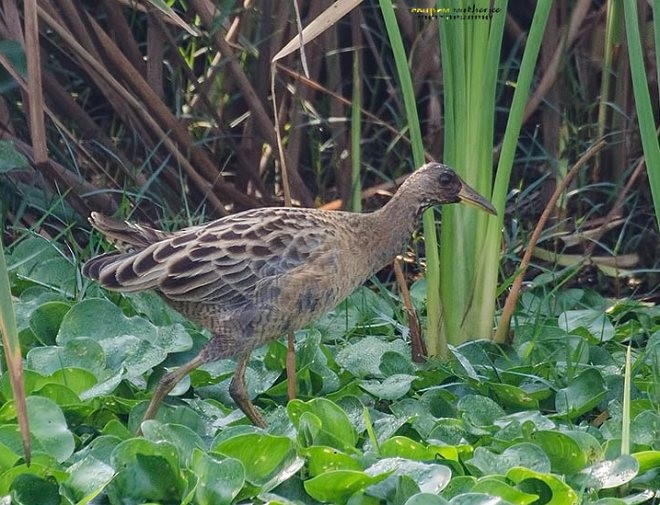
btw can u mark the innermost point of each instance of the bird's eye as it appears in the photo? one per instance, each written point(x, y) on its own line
point(445, 179)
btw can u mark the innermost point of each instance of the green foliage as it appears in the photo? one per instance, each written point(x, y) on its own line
point(536, 423)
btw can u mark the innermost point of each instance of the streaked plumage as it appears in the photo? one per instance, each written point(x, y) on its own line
point(255, 275)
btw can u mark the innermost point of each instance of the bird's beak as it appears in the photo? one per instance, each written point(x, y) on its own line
point(471, 197)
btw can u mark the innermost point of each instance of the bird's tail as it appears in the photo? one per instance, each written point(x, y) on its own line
point(127, 237)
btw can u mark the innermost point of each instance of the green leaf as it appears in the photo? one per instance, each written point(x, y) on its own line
point(610, 473)
point(550, 488)
point(513, 396)
point(323, 459)
point(404, 447)
point(83, 321)
point(42, 466)
point(426, 499)
point(584, 393)
point(337, 486)
point(87, 478)
point(48, 426)
point(569, 452)
point(647, 460)
point(83, 353)
point(146, 472)
point(332, 426)
point(595, 322)
point(218, 482)
point(267, 459)
point(46, 319)
point(495, 487)
point(30, 489)
point(37, 260)
point(479, 410)
point(430, 477)
point(363, 358)
point(180, 436)
point(392, 388)
point(525, 454)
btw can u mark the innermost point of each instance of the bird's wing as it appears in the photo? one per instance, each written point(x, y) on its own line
point(219, 262)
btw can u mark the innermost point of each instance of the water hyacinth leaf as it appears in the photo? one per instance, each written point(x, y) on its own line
point(610, 473)
point(131, 354)
point(645, 427)
point(37, 260)
point(42, 465)
point(496, 487)
point(523, 454)
point(426, 499)
point(218, 482)
point(549, 487)
point(594, 322)
point(76, 379)
point(392, 388)
point(513, 396)
point(392, 363)
point(83, 321)
point(8, 458)
point(363, 358)
point(87, 478)
point(146, 472)
point(339, 485)
point(310, 430)
point(647, 460)
point(335, 428)
point(584, 393)
point(404, 447)
point(179, 435)
point(83, 353)
point(45, 320)
point(479, 410)
point(568, 452)
point(478, 499)
point(104, 387)
point(267, 459)
point(30, 489)
point(48, 426)
point(60, 395)
point(341, 320)
point(430, 477)
point(321, 459)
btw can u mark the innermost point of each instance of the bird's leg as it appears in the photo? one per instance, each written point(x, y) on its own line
point(167, 383)
point(238, 392)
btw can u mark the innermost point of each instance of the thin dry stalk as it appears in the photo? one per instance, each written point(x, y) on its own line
point(417, 345)
point(34, 86)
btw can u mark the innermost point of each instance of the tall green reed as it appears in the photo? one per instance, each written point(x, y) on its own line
point(647, 127)
point(462, 281)
point(430, 234)
point(470, 240)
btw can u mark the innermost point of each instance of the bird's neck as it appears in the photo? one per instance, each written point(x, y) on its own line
point(392, 226)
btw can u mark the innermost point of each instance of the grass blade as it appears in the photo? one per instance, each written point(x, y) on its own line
point(430, 234)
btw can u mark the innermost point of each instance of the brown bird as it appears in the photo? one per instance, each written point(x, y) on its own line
point(253, 276)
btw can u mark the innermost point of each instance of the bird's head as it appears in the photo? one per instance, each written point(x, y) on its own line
point(438, 184)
